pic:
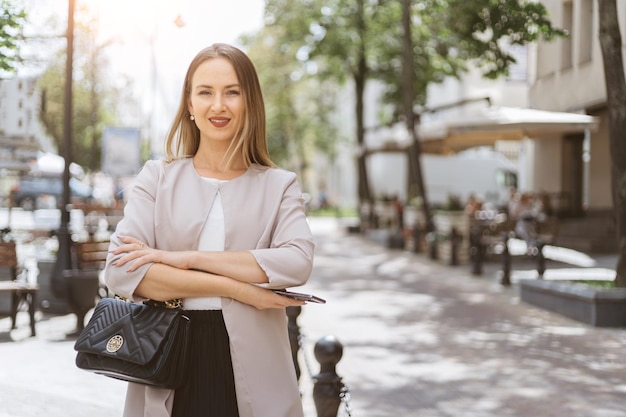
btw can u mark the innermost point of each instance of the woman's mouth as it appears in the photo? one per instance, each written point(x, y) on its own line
point(219, 121)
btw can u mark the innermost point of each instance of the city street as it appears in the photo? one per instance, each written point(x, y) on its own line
point(420, 339)
point(423, 339)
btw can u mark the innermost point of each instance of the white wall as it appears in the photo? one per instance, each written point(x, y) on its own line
point(388, 173)
point(599, 193)
point(546, 161)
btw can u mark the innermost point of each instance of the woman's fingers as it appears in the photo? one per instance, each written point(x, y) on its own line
point(132, 241)
point(130, 244)
point(262, 298)
point(134, 250)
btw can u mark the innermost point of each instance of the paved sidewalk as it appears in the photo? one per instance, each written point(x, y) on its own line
point(38, 376)
point(420, 339)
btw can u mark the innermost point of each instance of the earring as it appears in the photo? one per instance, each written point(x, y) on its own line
point(192, 117)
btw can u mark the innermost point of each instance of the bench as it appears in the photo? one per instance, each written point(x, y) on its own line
point(22, 292)
point(545, 233)
point(91, 255)
point(84, 285)
point(493, 237)
point(487, 236)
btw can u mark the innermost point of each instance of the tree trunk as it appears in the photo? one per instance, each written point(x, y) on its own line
point(611, 44)
point(407, 96)
point(360, 76)
point(364, 189)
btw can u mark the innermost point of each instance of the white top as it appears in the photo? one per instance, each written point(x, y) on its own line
point(211, 239)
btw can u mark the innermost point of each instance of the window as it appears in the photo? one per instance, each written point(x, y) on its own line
point(519, 69)
point(506, 178)
point(586, 32)
point(566, 43)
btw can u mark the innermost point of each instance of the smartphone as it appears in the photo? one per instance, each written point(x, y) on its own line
point(300, 296)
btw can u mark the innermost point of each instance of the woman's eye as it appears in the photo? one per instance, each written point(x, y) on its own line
point(232, 93)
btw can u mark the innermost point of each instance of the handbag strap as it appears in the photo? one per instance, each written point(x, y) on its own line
point(174, 303)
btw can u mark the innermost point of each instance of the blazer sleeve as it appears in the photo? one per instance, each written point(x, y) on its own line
point(288, 261)
point(138, 222)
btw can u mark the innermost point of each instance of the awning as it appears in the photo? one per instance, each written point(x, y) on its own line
point(487, 125)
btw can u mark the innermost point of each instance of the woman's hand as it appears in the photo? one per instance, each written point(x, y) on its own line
point(262, 298)
point(138, 253)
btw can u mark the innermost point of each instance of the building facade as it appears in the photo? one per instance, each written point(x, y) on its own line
point(570, 77)
point(21, 133)
point(22, 136)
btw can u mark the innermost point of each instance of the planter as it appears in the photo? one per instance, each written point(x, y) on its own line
point(601, 307)
point(47, 301)
point(82, 290)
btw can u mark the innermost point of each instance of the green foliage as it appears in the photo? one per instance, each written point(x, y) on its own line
point(92, 100)
point(12, 19)
point(435, 52)
point(363, 38)
point(298, 105)
point(334, 212)
point(486, 28)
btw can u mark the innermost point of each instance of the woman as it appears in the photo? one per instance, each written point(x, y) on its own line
point(217, 225)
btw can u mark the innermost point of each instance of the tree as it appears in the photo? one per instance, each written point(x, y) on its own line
point(611, 44)
point(298, 104)
point(12, 20)
point(362, 40)
point(91, 97)
point(335, 33)
point(450, 34)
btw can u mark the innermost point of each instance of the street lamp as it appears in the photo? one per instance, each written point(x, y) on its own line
point(64, 257)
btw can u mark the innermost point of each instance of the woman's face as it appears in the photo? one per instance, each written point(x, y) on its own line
point(216, 100)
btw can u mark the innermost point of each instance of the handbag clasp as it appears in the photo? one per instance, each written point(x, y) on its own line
point(115, 343)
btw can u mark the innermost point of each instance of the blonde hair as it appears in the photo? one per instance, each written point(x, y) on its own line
point(183, 139)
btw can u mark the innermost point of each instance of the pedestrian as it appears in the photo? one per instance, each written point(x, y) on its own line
point(473, 206)
point(217, 225)
point(526, 218)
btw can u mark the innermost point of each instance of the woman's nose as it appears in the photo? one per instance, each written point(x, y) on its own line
point(218, 103)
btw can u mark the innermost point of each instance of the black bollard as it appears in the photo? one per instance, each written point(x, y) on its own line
point(455, 240)
point(294, 335)
point(506, 262)
point(431, 238)
point(541, 260)
point(416, 239)
point(327, 386)
point(476, 253)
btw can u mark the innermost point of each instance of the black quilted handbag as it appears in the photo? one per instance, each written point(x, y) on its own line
point(140, 343)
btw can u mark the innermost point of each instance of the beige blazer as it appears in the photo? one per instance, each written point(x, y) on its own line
point(263, 213)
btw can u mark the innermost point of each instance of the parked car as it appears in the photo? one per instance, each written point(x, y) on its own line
point(30, 191)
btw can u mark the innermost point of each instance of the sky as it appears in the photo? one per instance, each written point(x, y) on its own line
point(134, 26)
point(155, 50)
point(152, 22)
point(148, 45)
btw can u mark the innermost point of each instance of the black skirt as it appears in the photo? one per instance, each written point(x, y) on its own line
point(209, 387)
